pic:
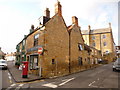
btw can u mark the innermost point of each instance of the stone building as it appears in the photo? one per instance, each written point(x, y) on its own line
point(64, 50)
point(101, 39)
point(2, 54)
point(10, 56)
point(118, 51)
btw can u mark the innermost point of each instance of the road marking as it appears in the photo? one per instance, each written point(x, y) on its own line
point(50, 85)
point(66, 81)
point(13, 85)
point(10, 78)
point(98, 79)
point(55, 86)
point(8, 88)
point(19, 86)
point(91, 83)
point(8, 74)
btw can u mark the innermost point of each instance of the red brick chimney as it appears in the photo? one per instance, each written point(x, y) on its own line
point(75, 20)
point(47, 13)
point(58, 8)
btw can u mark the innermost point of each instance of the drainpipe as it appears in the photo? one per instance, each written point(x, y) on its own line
point(69, 52)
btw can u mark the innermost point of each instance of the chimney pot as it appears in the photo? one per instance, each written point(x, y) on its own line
point(58, 8)
point(47, 13)
point(75, 20)
point(89, 27)
point(109, 25)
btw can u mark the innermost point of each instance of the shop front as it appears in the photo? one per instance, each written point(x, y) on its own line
point(34, 60)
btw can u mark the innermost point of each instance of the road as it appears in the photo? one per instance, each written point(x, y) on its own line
point(5, 79)
point(100, 77)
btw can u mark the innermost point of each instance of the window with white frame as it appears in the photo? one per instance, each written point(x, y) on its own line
point(104, 44)
point(80, 47)
point(93, 37)
point(94, 44)
point(36, 39)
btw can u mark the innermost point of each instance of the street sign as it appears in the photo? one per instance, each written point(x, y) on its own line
point(40, 50)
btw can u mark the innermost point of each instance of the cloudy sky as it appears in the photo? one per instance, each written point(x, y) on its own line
point(17, 16)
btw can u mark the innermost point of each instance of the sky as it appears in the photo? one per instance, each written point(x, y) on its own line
point(17, 16)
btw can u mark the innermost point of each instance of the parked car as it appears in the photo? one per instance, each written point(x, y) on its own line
point(116, 65)
point(3, 64)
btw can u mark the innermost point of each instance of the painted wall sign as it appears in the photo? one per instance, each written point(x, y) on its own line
point(34, 48)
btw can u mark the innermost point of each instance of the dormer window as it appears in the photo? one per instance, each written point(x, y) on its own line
point(80, 47)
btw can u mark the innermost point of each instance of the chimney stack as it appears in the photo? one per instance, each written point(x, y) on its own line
point(109, 25)
point(75, 20)
point(32, 27)
point(47, 13)
point(89, 28)
point(58, 8)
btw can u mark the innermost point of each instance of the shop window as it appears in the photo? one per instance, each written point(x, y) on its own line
point(80, 47)
point(36, 37)
point(80, 62)
point(33, 62)
point(53, 61)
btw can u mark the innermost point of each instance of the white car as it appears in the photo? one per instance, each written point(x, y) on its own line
point(3, 64)
point(116, 65)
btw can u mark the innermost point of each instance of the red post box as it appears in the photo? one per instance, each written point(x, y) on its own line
point(25, 69)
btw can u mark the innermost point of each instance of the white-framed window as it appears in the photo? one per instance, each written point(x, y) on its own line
point(36, 37)
point(104, 44)
point(94, 44)
point(93, 37)
point(107, 52)
point(80, 47)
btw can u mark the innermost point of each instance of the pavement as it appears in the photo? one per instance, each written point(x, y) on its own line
point(17, 74)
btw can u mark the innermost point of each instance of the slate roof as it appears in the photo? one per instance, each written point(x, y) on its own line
point(96, 31)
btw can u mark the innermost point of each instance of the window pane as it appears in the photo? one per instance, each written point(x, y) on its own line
point(104, 43)
point(94, 44)
point(36, 36)
point(104, 36)
point(93, 37)
point(80, 47)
